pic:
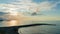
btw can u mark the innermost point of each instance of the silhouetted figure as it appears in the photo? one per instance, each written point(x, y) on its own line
point(14, 29)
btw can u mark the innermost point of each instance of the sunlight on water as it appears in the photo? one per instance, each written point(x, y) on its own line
point(36, 29)
point(12, 23)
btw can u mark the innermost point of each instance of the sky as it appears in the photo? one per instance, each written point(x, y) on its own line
point(50, 9)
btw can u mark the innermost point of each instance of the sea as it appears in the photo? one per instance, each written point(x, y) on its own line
point(43, 29)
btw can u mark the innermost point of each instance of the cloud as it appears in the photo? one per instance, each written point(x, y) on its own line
point(27, 6)
point(45, 6)
point(18, 6)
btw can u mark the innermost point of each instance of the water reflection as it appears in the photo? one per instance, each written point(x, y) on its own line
point(36, 29)
point(12, 23)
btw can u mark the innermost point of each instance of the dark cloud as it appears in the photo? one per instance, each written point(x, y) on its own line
point(2, 13)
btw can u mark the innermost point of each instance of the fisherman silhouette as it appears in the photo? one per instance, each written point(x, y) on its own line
point(14, 29)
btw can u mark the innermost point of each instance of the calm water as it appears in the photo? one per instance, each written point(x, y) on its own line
point(40, 29)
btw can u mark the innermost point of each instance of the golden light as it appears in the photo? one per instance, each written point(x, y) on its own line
point(12, 23)
point(14, 13)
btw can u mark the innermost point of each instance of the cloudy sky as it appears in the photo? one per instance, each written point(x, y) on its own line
point(50, 9)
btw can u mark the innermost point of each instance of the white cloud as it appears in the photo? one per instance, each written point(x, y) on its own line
point(45, 6)
point(24, 6)
point(27, 5)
